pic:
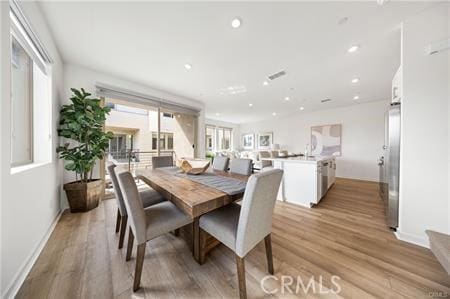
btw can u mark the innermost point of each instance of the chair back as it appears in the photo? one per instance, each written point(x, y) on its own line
point(262, 155)
point(133, 204)
point(220, 163)
point(255, 219)
point(241, 166)
point(117, 191)
point(162, 161)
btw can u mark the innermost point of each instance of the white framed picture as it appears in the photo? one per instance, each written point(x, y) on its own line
point(265, 140)
point(248, 141)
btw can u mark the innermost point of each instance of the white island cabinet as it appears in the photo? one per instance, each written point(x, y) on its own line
point(305, 181)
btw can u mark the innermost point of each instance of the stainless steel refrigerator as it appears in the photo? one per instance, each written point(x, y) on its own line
point(390, 165)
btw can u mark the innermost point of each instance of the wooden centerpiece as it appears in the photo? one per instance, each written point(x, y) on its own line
point(193, 166)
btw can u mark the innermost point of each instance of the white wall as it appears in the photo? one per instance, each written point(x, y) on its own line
point(236, 134)
point(362, 135)
point(30, 199)
point(424, 195)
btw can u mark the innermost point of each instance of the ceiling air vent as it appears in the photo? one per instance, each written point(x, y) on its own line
point(277, 75)
point(326, 100)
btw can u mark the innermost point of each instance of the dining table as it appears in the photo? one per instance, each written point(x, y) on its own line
point(194, 197)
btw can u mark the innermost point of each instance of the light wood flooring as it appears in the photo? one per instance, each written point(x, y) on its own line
point(345, 235)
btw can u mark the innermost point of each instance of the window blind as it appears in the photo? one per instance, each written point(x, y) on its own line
point(108, 91)
point(19, 23)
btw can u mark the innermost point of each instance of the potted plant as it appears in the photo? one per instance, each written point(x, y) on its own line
point(82, 121)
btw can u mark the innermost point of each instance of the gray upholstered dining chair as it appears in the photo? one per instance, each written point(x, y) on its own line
point(147, 224)
point(149, 197)
point(274, 154)
point(241, 227)
point(264, 164)
point(241, 166)
point(162, 161)
point(220, 163)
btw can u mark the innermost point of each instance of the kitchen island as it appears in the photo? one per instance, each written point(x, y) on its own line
point(305, 180)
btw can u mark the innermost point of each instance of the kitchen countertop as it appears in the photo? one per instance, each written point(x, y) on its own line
point(309, 160)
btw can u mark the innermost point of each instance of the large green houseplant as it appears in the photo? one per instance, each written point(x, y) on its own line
point(82, 122)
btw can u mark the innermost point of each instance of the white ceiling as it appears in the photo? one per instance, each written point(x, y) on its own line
point(150, 42)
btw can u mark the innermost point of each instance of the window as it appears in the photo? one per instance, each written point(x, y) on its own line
point(31, 110)
point(21, 105)
point(170, 142)
point(162, 142)
point(165, 141)
point(224, 138)
point(121, 143)
point(218, 138)
point(119, 146)
point(210, 138)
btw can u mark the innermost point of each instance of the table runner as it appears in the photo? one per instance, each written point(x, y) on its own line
point(225, 184)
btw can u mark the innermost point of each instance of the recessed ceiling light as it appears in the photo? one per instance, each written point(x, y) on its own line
point(265, 83)
point(217, 114)
point(287, 98)
point(356, 97)
point(274, 113)
point(187, 66)
point(236, 23)
point(302, 108)
point(353, 49)
point(355, 80)
point(250, 105)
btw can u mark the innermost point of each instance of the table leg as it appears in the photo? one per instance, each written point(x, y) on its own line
point(196, 240)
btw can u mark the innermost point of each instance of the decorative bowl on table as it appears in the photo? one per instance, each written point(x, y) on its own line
point(193, 166)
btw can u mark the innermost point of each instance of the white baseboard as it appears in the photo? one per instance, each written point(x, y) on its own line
point(16, 283)
point(414, 239)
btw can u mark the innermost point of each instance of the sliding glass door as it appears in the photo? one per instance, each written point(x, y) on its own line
point(144, 131)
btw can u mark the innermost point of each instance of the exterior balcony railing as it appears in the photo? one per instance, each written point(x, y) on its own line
point(136, 158)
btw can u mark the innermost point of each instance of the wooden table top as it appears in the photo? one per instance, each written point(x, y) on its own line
point(193, 198)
